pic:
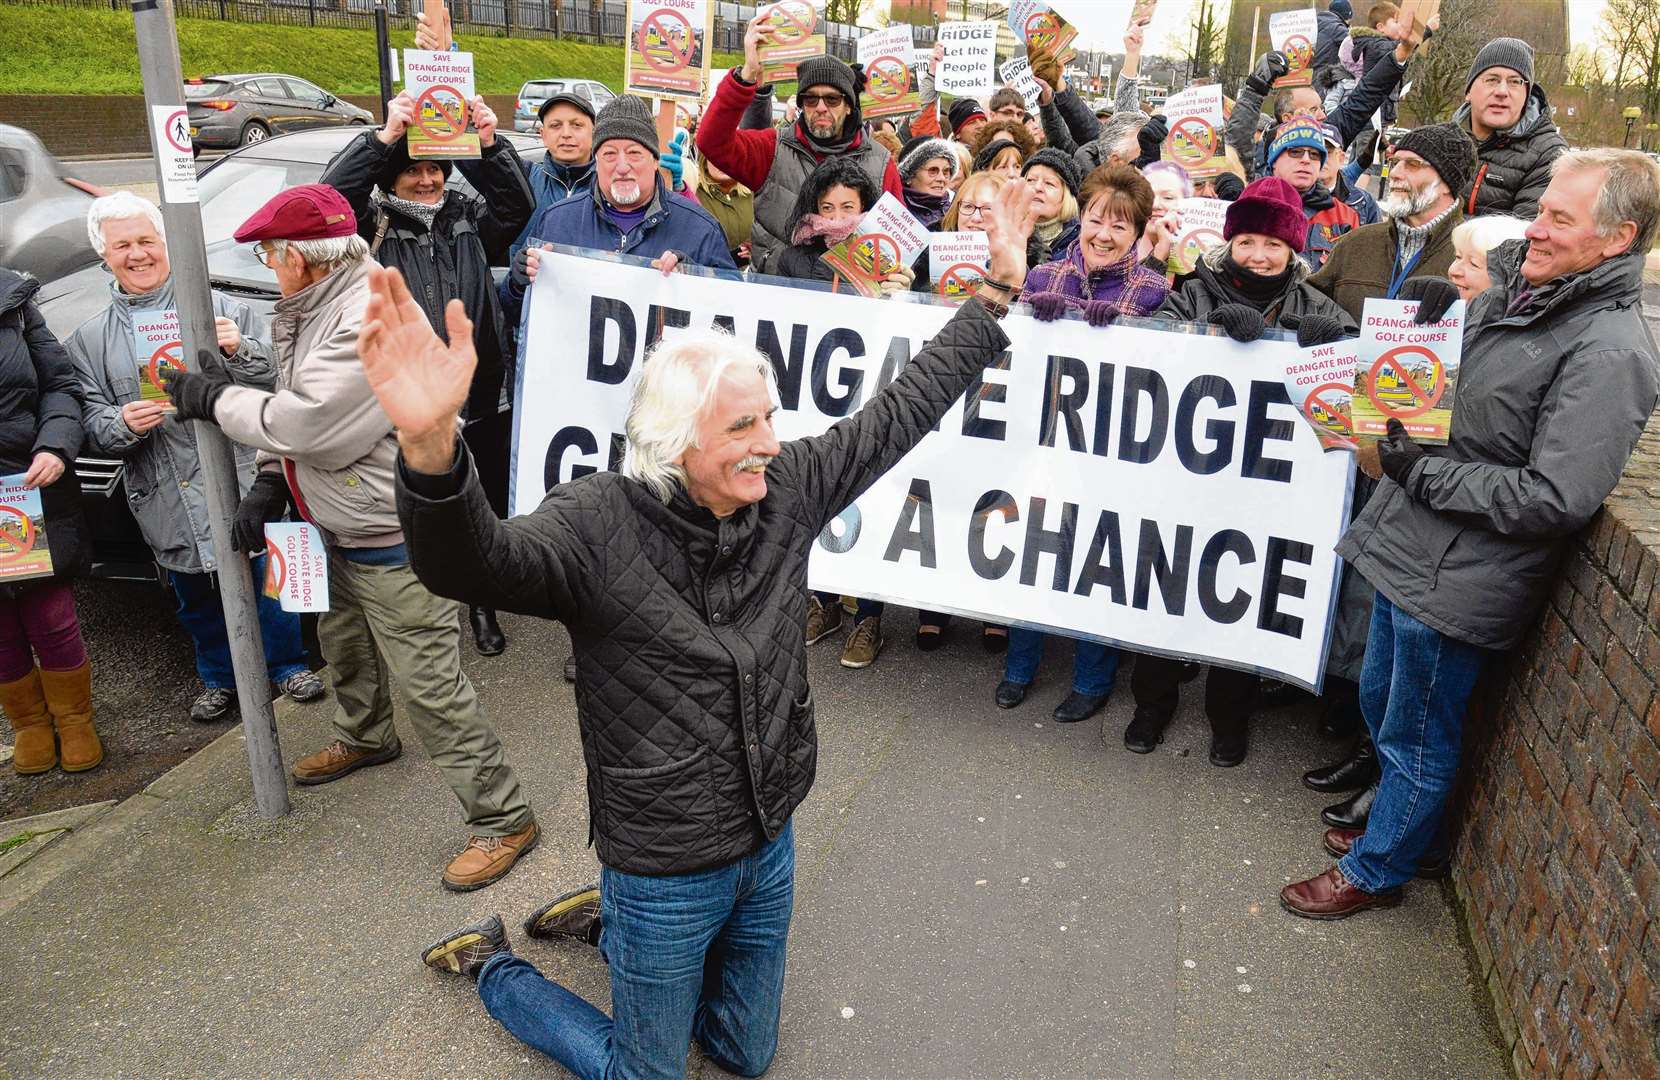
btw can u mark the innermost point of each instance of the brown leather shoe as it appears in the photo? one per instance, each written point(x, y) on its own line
point(337, 759)
point(1331, 896)
point(487, 859)
point(1340, 842)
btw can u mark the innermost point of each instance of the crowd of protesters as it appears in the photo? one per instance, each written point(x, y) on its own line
point(375, 403)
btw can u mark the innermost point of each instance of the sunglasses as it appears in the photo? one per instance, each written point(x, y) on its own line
point(829, 101)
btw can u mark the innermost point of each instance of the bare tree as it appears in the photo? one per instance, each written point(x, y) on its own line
point(1440, 70)
point(1205, 41)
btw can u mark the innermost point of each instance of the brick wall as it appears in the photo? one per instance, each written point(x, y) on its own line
point(1558, 858)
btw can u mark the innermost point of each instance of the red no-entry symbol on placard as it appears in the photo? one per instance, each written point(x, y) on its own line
point(169, 357)
point(672, 50)
point(889, 78)
point(17, 534)
point(1195, 244)
point(276, 572)
point(1040, 27)
point(1192, 139)
point(1407, 397)
point(444, 124)
point(959, 280)
point(875, 254)
point(1328, 412)
point(792, 21)
point(1299, 52)
point(176, 130)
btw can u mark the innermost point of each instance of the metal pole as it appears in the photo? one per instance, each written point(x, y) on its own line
point(158, 58)
point(383, 49)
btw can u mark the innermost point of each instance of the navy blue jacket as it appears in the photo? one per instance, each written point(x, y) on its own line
point(551, 182)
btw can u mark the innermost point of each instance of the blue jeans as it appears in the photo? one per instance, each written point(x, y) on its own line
point(203, 616)
point(1094, 665)
point(867, 609)
point(1414, 687)
point(692, 956)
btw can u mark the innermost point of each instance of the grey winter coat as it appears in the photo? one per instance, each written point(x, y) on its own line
point(1551, 401)
point(1513, 167)
point(163, 472)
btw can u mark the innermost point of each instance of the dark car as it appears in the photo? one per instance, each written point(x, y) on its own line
point(239, 110)
point(230, 189)
point(42, 210)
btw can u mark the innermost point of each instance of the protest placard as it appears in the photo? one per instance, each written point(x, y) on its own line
point(1293, 33)
point(174, 157)
point(1321, 383)
point(1040, 27)
point(1142, 487)
point(956, 263)
point(296, 566)
point(1196, 128)
point(23, 550)
point(157, 346)
point(888, 237)
point(667, 51)
point(1202, 224)
point(1415, 15)
point(442, 85)
point(969, 66)
point(1017, 72)
point(886, 57)
point(1407, 372)
point(797, 33)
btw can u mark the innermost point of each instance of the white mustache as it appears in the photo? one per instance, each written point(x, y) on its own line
point(753, 460)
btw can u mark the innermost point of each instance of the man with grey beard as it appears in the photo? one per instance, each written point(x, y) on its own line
point(1428, 167)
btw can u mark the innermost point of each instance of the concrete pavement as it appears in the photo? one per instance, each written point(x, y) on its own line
point(980, 893)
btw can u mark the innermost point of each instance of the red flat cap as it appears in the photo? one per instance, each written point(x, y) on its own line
point(307, 212)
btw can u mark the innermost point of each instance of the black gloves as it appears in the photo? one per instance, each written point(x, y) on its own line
point(1434, 295)
point(1151, 140)
point(1047, 306)
point(266, 501)
point(1398, 453)
point(1229, 187)
point(1314, 329)
point(1100, 312)
point(1270, 67)
point(195, 392)
point(521, 267)
point(1243, 324)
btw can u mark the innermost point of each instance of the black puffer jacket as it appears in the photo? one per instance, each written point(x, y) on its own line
point(40, 409)
point(453, 259)
point(1198, 294)
point(697, 720)
point(1513, 167)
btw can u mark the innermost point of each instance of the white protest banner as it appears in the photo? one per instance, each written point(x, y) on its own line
point(886, 58)
point(1407, 372)
point(1042, 29)
point(1293, 33)
point(23, 550)
point(667, 53)
point(158, 345)
point(956, 263)
point(797, 33)
point(1018, 74)
point(969, 66)
point(442, 85)
point(1196, 125)
point(297, 566)
point(1202, 224)
point(172, 141)
point(1144, 487)
point(888, 237)
point(1321, 382)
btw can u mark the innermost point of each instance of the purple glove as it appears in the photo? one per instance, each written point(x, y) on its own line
point(1100, 312)
point(1047, 306)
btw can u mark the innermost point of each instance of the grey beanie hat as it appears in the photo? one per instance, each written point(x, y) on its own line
point(1506, 52)
point(827, 71)
point(627, 117)
point(920, 151)
point(1449, 151)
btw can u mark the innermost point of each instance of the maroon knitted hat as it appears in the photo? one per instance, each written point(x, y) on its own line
point(1269, 206)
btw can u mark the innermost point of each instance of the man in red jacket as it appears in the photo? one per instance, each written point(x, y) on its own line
point(775, 164)
point(1296, 155)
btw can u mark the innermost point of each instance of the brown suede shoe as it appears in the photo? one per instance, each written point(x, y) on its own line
point(337, 759)
point(487, 859)
point(822, 621)
point(1331, 896)
point(1339, 842)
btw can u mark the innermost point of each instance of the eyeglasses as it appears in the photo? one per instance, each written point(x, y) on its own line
point(1511, 83)
point(1303, 153)
point(829, 101)
point(973, 210)
point(1407, 164)
point(264, 254)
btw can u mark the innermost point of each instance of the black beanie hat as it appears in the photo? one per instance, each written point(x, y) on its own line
point(627, 117)
point(1449, 150)
point(1506, 52)
point(988, 153)
point(827, 71)
point(1062, 164)
point(961, 112)
point(398, 159)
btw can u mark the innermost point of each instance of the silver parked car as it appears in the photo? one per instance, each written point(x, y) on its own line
point(237, 110)
point(42, 210)
point(533, 93)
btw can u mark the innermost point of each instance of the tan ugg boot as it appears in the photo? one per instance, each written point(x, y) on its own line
point(36, 750)
point(69, 700)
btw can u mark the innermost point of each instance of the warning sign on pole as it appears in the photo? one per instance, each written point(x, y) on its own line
point(956, 263)
point(667, 51)
point(1407, 372)
point(172, 142)
point(887, 238)
point(1293, 33)
point(23, 551)
point(886, 58)
point(797, 33)
point(442, 85)
point(1196, 126)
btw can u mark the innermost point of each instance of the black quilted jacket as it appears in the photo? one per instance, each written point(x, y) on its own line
point(696, 717)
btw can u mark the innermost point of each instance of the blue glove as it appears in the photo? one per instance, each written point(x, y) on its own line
point(674, 161)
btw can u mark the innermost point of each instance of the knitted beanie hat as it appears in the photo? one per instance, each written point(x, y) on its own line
point(1063, 164)
point(398, 159)
point(1449, 150)
point(988, 153)
point(1506, 52)
point(1342, 9)
point(1297, 131)
point(626, 117)
point(1269, 207)
point(920, 151)
point(827, 71)
point(961, 112)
